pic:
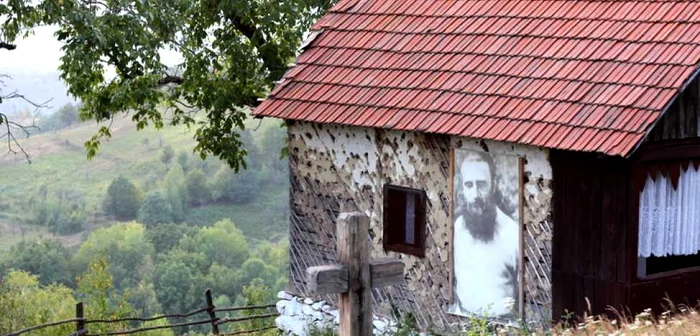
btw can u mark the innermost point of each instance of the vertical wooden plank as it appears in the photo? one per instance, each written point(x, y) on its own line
point(608, 246)
point(451, 226)
point(560, 225)
point(583, 228)
point(628, 226)
point(521, 240)
point(353, 251)
point(574, 207)
point(594, 267)
point(80, 316)
point(211, 312)
point(579, 294)
point(557, 296)
point(559, 194)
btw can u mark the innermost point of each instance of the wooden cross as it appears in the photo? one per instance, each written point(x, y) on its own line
point(355, 276)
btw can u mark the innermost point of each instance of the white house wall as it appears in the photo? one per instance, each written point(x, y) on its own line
point(333, 166)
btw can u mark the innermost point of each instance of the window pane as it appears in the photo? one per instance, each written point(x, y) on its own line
point(396, 216)
point(410, 228)
point(669, 217)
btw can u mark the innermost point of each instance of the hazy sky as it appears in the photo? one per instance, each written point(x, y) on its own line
point(41, 53)
point(37, 53)
point(33, 68)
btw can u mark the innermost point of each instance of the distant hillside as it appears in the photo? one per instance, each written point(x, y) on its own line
point(38, 87)
point(59, 163)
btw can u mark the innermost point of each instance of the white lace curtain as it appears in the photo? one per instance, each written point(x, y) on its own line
point(669, 218)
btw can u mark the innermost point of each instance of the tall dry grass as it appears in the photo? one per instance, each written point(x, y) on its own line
point(677, 320)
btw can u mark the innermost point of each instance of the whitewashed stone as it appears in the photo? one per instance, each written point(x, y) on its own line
point(336, 316)
point(379, 325)
point(297, 315)
point(307, 310)
point(291, 325)
point(293, 308)
point(284, 295)
point(280, 306)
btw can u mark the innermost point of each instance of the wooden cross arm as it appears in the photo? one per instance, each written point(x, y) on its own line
point(333, 279)
point(327, 279)
point(385, 272)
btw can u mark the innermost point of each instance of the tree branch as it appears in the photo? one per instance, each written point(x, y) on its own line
point(12, 126)
point(274, 64)
point(11, 137)
point(8, 46)
point(16, 95)
point(168, 79)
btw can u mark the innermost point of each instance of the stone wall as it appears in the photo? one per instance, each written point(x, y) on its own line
point(333, 166)
point(298, 315)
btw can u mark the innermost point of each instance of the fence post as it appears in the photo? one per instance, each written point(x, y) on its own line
point(80, 316)
point(212, 313)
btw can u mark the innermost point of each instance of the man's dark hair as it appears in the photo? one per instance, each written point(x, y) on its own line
point(481, 225)
point(484, 157)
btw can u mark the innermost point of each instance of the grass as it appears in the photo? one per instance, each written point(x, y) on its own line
point(255, 219)
point(677, 320)
point(12, 233)
point(58, 161)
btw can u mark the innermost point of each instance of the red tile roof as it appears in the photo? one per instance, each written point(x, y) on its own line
point(577, 75)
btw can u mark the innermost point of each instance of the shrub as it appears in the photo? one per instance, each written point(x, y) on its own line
point(62, 211)
point(175, 191)
point(155, 209)
point(167, 155)
point(236, 188)
point(46, 259)
point(198, 192)
point(123, 199)
point(184, 160)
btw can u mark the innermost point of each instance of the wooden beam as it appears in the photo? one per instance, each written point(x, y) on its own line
point(333, 279)
point(386, 272)
point(451, 227)
point(353, 251)
point(520, 305)
point(327, 279)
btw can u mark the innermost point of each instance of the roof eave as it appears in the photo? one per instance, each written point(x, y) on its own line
point(668, 105)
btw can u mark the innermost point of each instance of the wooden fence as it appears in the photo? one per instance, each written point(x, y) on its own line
point(82, 324)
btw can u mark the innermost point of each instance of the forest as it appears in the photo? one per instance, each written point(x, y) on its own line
point(142, 229)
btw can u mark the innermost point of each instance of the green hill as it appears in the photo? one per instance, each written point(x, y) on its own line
point(59, 164)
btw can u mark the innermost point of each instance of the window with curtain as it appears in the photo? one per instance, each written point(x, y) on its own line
point(669, 221)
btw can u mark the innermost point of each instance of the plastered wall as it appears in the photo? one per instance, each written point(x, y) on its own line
point(333, 166)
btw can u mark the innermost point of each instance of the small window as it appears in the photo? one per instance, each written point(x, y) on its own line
point(404, 220)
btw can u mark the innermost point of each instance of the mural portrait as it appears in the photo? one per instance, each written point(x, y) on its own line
point(486, 235)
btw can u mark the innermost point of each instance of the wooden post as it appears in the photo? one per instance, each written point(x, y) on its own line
point(212, 313)
point(353, 252)
point(355, 276)
point(80, 316)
